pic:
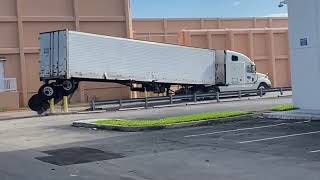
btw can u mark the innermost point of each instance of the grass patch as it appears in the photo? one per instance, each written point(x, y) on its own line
point(171, 120)
point(284, 107)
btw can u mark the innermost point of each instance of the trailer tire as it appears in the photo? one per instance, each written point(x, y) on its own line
point(68, 87)
point(47, 91)
point(38, 104)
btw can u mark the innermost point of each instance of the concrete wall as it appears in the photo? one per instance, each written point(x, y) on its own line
point(305, 47)
point(251, 36)
point(267, 47)
point(166, 30)
point(22, 20)
point(9, 100)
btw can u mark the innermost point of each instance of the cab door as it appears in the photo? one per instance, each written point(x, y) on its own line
point(235, 74)
point(251, 75)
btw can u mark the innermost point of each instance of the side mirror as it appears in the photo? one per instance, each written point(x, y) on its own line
point(267, 75)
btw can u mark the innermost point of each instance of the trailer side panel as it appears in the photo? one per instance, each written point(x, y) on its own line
point(98, 57)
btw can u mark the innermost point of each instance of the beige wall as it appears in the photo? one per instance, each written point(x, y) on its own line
point(166, 30)
point(22, 20)
point(251, 36)
point(9, 100)
point(267, 47)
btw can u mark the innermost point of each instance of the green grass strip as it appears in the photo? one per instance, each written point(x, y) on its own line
point(171, 120)
point(284, 107)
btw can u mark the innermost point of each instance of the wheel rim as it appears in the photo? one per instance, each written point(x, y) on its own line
point(67, 85)
point(262, 87)
point(48, 91)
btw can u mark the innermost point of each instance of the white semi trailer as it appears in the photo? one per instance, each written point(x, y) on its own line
point(68, 57)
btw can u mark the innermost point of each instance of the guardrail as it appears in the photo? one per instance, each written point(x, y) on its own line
point(8, 84)
point(148, 101)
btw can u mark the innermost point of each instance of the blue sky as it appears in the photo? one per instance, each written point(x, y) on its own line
point(206, 8)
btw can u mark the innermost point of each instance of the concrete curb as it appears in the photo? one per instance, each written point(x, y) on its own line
point(285, 116)
point(35, 116)
point(91, 124)
point(214, 101)
point(20, 117)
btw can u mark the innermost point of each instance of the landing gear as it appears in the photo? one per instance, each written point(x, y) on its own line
point(56, 90)
point(189, 90)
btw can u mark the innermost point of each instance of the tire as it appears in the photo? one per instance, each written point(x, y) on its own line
point(68, 87)
point(47, 91)
point(263, 87)
point(35, 102)
point(38, 104)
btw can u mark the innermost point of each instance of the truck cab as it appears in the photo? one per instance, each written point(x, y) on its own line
point(241, 74)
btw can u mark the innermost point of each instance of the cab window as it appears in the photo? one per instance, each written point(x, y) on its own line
point(251, 68)
point(234, 58)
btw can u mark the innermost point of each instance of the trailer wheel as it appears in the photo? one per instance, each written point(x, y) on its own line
point(38, 104)
point(34, 102)
point(47, 91)
point(68, 87)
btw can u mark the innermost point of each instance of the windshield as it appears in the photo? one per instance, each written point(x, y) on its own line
point(251, 68)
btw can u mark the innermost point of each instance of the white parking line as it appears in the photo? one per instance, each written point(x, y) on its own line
point(279, 137)
point(244, 129)
point(314, 151)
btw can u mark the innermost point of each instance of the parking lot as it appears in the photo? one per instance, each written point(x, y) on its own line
point(49, 148)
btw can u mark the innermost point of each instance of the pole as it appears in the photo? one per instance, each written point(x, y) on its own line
point(281, 92)
point(52, 109)
point(146, 102)
point(65, 104)
point(120, 103)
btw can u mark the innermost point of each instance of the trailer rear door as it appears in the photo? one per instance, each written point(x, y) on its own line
point(53, 55)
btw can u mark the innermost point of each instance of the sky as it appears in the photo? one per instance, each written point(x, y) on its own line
point(206, 8)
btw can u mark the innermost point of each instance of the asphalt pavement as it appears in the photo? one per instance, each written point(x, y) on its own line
point(254, 149)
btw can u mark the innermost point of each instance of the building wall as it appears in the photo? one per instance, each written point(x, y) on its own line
point(251, 36)
point(166, 30)
point(304, 42)
point(267, 47)
point(9, 100)
point(21, 21)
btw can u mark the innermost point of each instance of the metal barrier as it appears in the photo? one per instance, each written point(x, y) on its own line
point(147, 101)
point(8, 84)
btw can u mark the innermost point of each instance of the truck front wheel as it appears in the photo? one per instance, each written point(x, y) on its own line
point(262, 87)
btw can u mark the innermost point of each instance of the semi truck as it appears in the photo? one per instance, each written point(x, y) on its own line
point(69, 57)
